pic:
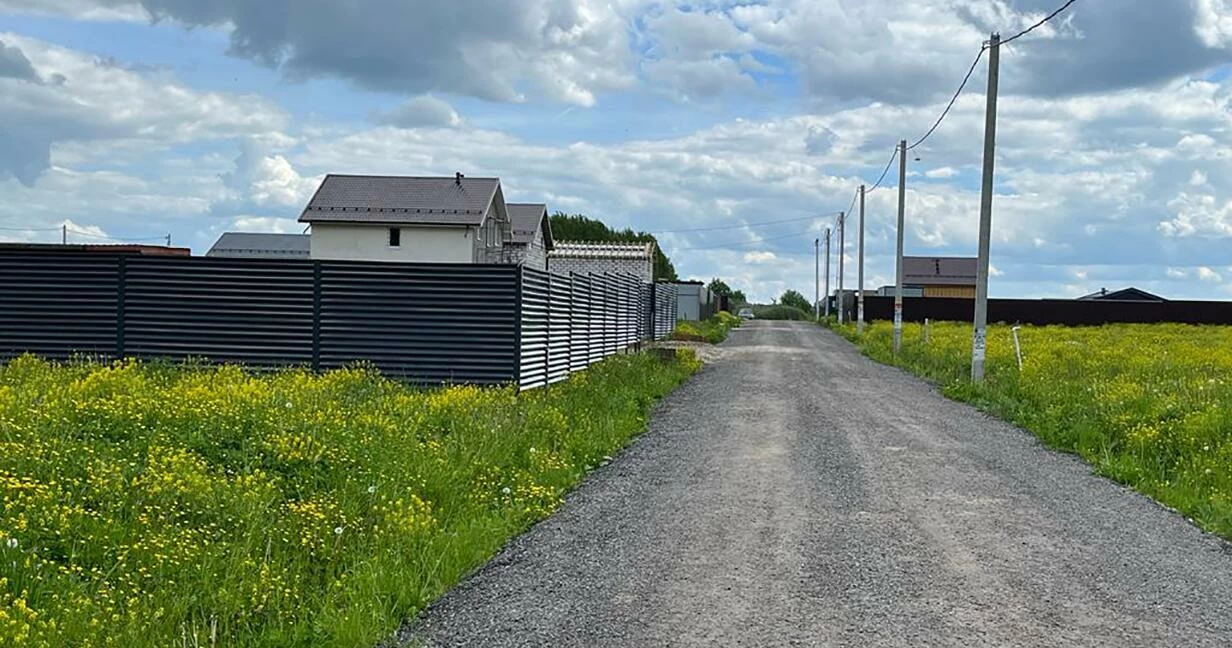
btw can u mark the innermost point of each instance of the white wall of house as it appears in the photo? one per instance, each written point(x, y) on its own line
point(419, 244)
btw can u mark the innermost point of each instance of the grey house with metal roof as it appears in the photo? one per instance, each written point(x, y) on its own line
point(409, 219)
point(532, 235)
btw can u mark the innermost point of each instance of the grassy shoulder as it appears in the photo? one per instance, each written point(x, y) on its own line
point(713, 330)
point(1148, 405)
point(145, 505)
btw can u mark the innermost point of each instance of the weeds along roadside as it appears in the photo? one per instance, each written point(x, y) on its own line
point(150, 505)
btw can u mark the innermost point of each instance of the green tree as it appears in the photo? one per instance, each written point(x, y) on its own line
point(579, 227)
point(720, 287)
point(793, 298)
point(737, 297)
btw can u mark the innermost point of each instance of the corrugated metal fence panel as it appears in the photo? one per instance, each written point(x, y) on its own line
point(560, 328)
point(257, 312)
point(534, 338)
point(612, 322)
point(579, 323)
point(58, 305)
point(424, 323)
point(598, 317)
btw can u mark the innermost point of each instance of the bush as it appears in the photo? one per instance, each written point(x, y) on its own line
point(781, 312)
point(713, 330)
point(156, 505)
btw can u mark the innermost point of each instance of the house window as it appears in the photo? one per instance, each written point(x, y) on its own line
point(395, 237)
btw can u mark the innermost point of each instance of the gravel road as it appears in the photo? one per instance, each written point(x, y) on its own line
point(797, 494)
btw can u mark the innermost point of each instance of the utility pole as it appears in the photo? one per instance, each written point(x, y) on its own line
point(817, 278)
point(168, 239)
point(842, 250)
point(860, 273)
point(827, 273)
point(64, 234)
point(980, 334)
point(898, 281)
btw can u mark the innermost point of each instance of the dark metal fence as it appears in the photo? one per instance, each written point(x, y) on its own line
point(423, 323)
point(569, 322)
point(1052, 311)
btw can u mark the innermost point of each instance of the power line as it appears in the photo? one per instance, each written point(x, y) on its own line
point(737, 244)
point(30, 229)
point(732, 227)
point(1032, 28)
point(884, 172)
point(976, 62)
point(952, 100)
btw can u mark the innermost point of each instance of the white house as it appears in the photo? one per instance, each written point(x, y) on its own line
point(532, 235)
point(410, 219)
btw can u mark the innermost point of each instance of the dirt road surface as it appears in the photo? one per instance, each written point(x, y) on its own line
point(795, 493)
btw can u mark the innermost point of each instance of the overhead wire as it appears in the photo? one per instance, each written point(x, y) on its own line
point(953, 99)
point(883, 172)
point(1032, 28)
point(732, 227)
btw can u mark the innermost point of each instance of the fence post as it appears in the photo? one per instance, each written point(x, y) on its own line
point(316, 316)
point(547, 336)
point(517, 325)
point(121, 297)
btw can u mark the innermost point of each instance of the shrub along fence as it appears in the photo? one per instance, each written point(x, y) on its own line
point(423, 323)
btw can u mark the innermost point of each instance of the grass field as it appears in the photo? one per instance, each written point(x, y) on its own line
point(1148, 405)
point(172, 506)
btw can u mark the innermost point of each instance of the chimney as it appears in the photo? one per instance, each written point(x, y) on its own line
point(457, 179)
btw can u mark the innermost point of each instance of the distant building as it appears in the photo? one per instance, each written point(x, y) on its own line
point(1125, 294)
point(694, 301)
point(531, 238)
point(411, 219)
point(939, 276)
point(260, 245)
point(629, 258)
point(102, 248)
point(908, 291)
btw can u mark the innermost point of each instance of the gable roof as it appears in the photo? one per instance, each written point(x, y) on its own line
point(403, 200)
point(259, 245)
point(943, 271)
point(1125, 294)
point(528, 218)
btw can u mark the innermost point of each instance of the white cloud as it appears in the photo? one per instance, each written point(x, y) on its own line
point(422, 111)
point(1207, 274)
point(1176, 273)
point(941, 173)
point(757, 258)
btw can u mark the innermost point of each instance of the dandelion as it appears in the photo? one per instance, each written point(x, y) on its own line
point(338, 530)
point(371, 489)
point(506, 490)
point(11, 543)
point(289, 405)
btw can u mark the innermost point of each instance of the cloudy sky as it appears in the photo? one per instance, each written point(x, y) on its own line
point(133, 120)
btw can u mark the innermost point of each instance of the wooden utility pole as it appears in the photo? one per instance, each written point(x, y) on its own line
point(979, 336)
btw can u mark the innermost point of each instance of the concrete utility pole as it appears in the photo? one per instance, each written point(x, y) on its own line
point(980, 334)
point(64, 234)
point(898, 281)
point(842, 249)
point(827, 273)
point(817, 278)
point(860, 286)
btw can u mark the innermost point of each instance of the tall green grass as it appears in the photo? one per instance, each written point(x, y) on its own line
point(146, 505)
point(713, 330)
point(1147, 405)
